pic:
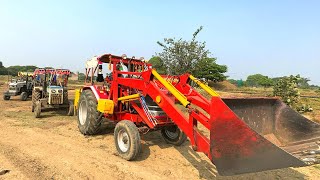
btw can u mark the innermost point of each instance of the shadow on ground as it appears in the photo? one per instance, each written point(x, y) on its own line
point(207, 170)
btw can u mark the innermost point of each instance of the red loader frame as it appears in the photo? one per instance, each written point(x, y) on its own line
point(232, 145)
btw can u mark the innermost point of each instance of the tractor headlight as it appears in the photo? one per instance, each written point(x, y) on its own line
point(53, 91)
point(60, 91)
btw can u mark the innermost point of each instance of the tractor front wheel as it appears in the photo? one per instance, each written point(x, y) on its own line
point(35, 97)
point(24, 96)
point(173, 135)
point(6, 97)
point(127, 140)
point(89, 118)
point(37, 109)
point(65, 96)
point(70, 110)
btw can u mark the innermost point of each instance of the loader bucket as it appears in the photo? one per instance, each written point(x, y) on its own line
point(258, 134)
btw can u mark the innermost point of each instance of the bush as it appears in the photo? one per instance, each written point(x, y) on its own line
point(287, 89)
point(304, 108)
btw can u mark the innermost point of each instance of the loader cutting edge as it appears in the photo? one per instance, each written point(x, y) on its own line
point(242, 130)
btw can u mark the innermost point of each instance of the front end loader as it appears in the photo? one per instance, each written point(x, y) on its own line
point(245, 135)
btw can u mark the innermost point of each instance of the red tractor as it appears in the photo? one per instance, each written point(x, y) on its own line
point(246, 135)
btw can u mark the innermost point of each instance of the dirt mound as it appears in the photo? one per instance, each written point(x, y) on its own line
point(224, 85)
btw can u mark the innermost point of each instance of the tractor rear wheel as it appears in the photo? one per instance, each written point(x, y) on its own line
point(127, 140)
point(37, 109)
point(24, 96)
point(35, 97)
point(89, 118)
point(6, 97)
point(173, 135)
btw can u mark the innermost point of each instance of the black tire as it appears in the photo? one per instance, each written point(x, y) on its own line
point(127, 140)
point(65, 96)
point(173, 135)
point(89, 119)
point(24, 96)
point(37, 109)
point(35, 97)
point(6, 97)
point(70, 109)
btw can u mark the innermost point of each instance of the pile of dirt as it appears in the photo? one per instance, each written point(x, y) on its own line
point(221, 86)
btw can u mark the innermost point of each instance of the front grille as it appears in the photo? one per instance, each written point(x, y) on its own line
point(56, 99)
point(12, 88)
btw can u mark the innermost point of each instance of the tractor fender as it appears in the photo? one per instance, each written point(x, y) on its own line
point(38, 89)
point(94, 90)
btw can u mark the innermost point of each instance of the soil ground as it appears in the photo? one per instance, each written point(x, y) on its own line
point(52, 148)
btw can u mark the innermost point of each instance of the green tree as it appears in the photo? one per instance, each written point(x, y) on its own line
point(81, 76)
point(180, 56)
point(232, 81)
point(238, 83)
point(3, 70)
point(303, 82)
point(208, 69)
point(259, 80)
point(13, 70)
point(157, 63)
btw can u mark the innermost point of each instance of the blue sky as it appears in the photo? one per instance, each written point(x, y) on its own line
point(273, 37)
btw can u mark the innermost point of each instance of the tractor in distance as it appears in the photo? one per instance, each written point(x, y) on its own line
point(21, 86)
point(238, 135)
point(50, 91)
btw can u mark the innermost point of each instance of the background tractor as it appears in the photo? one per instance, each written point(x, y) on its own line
point(21, 86)
point(242, 135)
point(50, 91)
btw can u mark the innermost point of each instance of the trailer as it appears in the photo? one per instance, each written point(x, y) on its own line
point(245, 134)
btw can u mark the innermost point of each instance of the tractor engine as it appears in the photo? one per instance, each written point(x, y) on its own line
point(13, 88)
point(55, 94)
point(154, 109)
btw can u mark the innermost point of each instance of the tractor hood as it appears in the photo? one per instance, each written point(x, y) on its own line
point(54, 88)
point(13, 84)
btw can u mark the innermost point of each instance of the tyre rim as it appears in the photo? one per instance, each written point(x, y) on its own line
point(172, 133)
point(123, 140)
point(83, 112)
